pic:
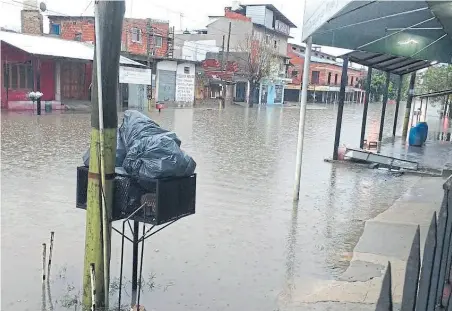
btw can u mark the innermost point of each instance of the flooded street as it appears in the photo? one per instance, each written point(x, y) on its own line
point(246, 248)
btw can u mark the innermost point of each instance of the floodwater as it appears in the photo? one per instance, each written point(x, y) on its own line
point(246, 248)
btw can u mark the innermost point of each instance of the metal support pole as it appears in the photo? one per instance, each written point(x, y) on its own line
point(408, 105)
point(135, 262)
point(304, 97)
point(366, 106)
point(38, 86)
point(340, 108)
point(383, 108)
point(396, 114)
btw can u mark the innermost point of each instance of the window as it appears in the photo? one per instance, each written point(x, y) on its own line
point(294, 48)
point(267, 39)
point(275, 44)
point(158, 41)
point(294, 73)
point(351, 80)
point(55, 29)
point(187, 70)
point(335, 79)
point(315, 77)
point(329, 78)
point(136, 34)
point(18, 76)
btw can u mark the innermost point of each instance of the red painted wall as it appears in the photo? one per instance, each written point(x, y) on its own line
point(11, 55)
point(323, 68)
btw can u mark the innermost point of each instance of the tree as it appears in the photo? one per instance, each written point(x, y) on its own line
point(434, 79)
point(257, 60)
point(378, 83)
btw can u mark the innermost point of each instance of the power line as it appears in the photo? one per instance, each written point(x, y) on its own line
point(86, 8)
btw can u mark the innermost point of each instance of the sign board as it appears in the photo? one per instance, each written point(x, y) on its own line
point(135, 75)
point(292, 87)
point(185, 88)
point(281, 27)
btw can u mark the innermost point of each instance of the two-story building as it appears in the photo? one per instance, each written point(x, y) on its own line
point(148, 41)
point(324, 77)
point(254, 29)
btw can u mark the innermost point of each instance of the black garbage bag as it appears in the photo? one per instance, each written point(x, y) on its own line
point(144, 149)
point(152, 151)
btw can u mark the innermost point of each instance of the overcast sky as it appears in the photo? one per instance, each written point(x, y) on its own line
point(194, 12)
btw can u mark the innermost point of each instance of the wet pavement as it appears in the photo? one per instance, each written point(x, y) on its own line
point(247, 247)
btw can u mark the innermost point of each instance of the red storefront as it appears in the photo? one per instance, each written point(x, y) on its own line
point(63, 66)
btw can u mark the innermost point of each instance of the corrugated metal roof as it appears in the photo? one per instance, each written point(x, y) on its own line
point(398, 65)
point(49, 46)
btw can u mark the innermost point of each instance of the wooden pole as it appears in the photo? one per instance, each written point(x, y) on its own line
point(408, 105)
point(396, 114)
point(101, 169)
point(50, 254)
point(340, 109)
point(225, 66)
point(223, 83)
point(366, 106)
point(43, 262)
point(383, 108)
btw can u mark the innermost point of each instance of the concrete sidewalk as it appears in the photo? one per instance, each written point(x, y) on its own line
point(387, 237)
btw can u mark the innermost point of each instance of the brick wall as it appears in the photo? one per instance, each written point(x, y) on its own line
point(31, 22)
point(323, 69)
point(159, 29)
point(71, 26)
point(233, 15)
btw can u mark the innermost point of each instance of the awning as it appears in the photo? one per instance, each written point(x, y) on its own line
point(413, 29)
point(398, 65)
point(50, 46)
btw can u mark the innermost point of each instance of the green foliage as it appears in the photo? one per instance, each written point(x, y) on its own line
point(378, 84)
point(434, 79)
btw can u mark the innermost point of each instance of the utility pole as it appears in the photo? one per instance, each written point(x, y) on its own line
point(108, 21)
point(148, 54)
point(225, 65)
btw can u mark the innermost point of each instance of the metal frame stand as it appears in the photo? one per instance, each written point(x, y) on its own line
point(135, 240)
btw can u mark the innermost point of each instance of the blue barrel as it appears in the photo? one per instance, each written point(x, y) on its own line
point(415, 137)
point(423, 130)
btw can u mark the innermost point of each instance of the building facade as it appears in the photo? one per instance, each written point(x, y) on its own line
point(138, 35)
point(150, 42)
point(325, 75)
point(254, 28)
point(62, 67)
